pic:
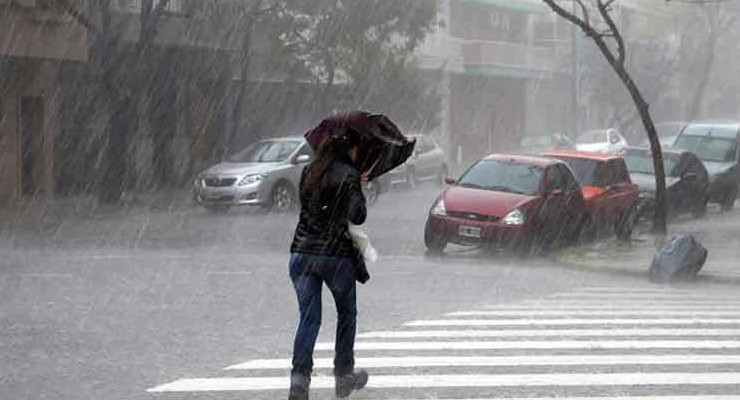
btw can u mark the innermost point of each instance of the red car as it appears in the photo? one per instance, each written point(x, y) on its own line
point(611, 197)
point(515, 202)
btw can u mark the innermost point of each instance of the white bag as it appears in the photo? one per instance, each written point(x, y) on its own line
point(362, 242)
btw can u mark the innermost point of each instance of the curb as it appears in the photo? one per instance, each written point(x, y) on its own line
point(709, 277)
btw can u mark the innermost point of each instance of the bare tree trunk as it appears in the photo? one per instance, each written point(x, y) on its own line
point(617, 62)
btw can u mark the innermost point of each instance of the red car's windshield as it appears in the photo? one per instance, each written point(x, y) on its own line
point(503, 176)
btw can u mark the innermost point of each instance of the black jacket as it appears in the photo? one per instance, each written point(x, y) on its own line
point(327, 212)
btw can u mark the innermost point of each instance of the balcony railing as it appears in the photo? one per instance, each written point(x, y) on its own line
point(511, 55)
point(134, 6)
point(497, 54)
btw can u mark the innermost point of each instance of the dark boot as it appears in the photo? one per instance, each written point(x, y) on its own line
point(345, 384)
point(299, 385)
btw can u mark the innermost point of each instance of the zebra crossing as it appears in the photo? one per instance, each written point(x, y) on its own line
point(591, 343)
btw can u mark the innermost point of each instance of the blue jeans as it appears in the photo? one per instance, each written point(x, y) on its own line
point(309, 273)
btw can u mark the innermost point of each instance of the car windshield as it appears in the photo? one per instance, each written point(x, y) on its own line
point(592, 137)
point(708, 148)
point(503, 176)
point(667, 130)
point(266, 151)
point(587, 172)
point(641, 162)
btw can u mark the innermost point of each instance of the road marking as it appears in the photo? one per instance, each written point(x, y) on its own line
point(617, 302)
point(587, 313)
point(616, 289)
point(572, 321)
point(543, 345)
point(516, 333)
point(458, 381)
point(686, 297)
point(516, 361)
point(718, 397)
point(612, 306)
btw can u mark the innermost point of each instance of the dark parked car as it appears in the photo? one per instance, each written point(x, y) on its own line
point(610, 195)
point(716, 145)
point(686, 181)
point(520, 203)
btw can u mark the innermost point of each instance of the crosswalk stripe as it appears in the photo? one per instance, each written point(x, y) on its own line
point(586, 313)
point(612, 306)
point(700, 397)
point(631, 290)
point(624, 300)
point(458, 381)
point(517, 333)
point(684, 297)
point(506, 361)
point(543, 345)
point(572, 321)
point(623, 290)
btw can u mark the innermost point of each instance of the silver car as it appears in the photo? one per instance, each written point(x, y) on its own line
point(428, 162)
point(266, 174)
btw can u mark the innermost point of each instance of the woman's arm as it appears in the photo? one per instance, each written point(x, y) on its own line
point(357, 205)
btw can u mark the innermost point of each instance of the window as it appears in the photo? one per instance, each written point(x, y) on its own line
point(613, 137)
point(555, 179)
point(569, 181)
point(134, 6)
point(266, 151)
point(305, 151)
point(708, 148)
point(588, 172)
point(592, 137)
point(616, 173)
point(641, 162)
point(503, 176)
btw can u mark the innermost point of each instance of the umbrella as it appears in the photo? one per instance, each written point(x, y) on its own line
point(382, 145)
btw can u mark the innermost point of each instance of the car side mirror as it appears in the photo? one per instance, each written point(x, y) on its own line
point(450, 180)
point(302, 159)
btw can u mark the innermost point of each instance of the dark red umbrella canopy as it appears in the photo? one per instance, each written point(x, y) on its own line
point(382, 145)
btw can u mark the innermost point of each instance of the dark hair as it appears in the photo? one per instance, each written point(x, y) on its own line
point(335, 147)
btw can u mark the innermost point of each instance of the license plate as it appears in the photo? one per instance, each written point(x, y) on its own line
point(216, 194)
point(469, 231)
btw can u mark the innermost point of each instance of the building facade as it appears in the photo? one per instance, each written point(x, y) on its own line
point(507, 72)
point(37, 40)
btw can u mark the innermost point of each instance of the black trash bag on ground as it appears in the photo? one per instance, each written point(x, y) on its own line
point(681, 259)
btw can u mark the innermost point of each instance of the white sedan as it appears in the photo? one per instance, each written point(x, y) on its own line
point(603, 141)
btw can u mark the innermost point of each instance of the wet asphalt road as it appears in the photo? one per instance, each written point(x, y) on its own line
point(108, 307)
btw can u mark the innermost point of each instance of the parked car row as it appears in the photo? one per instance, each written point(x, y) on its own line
point(267, 174)
point(600, 140)
point(530, 203)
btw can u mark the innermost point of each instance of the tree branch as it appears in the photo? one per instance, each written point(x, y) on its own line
point(583, 24)
point(604, 10)
point(80, 17)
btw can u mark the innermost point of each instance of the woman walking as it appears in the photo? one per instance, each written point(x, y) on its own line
point(322, 252)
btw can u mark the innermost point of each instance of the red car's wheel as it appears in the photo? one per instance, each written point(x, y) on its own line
point(434, 241)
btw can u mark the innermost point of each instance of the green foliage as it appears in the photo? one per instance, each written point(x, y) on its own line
point(365, 47)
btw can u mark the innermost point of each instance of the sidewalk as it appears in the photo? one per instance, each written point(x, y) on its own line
point(719, 233)
point(37, 214)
